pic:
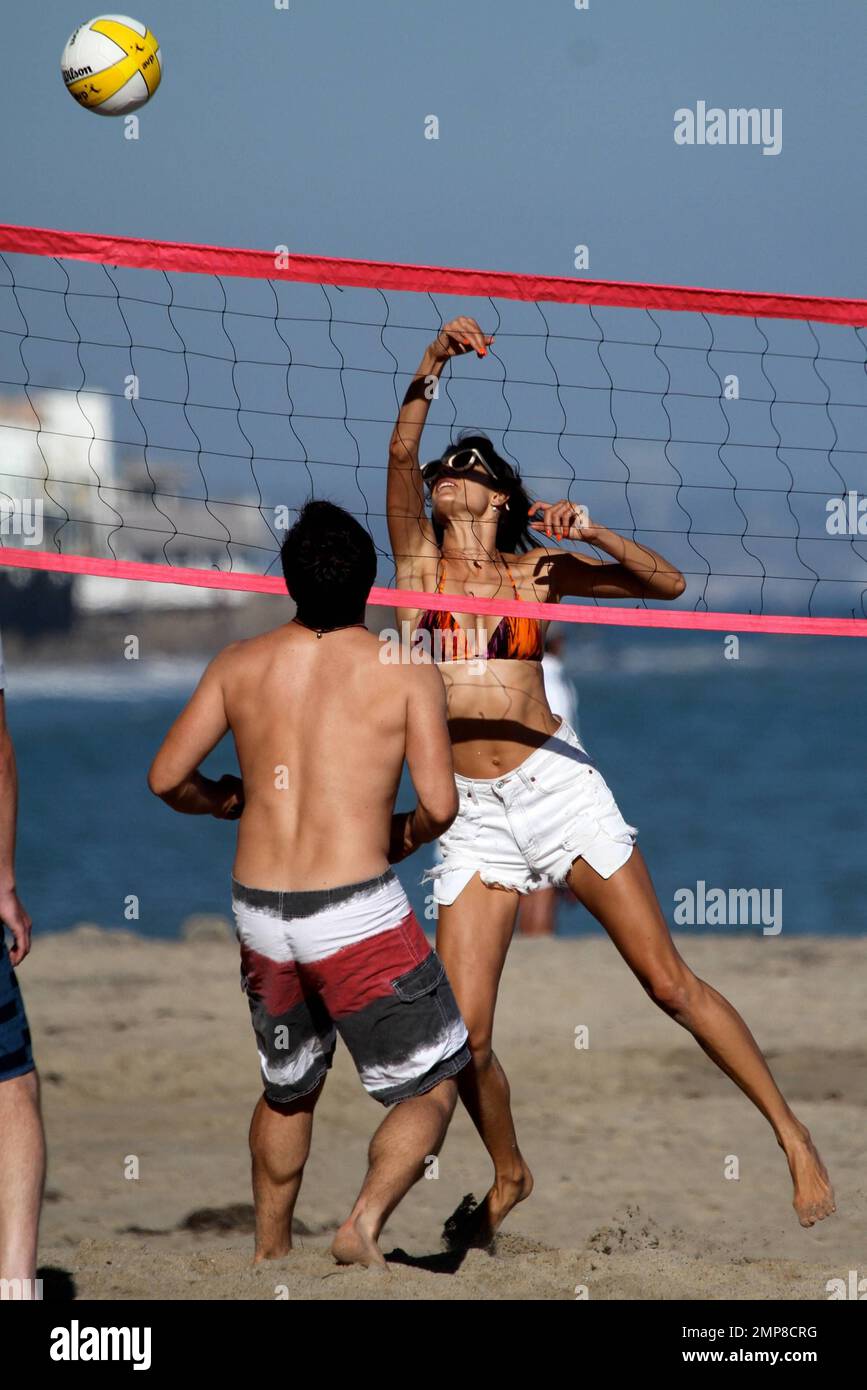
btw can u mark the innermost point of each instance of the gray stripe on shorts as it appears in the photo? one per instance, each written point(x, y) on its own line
point(291, 905)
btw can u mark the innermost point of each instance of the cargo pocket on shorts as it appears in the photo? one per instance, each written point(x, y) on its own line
point(426, 990)
point(422, 979)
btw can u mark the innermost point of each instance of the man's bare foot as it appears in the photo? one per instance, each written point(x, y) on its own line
point(814, 1195)
point(353, 1245)
point(261, 1255)
point(474, 1225)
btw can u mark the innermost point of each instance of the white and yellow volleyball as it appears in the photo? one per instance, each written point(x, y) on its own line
point(112, 65)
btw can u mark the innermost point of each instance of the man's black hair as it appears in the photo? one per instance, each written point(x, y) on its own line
point(329, 564)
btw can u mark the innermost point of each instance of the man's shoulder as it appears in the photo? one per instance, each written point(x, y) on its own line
point(245, 653)
point(391, 662)
point(228, 655)
point(423, 675)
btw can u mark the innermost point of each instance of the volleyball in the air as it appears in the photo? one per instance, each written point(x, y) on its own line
point(112, 65)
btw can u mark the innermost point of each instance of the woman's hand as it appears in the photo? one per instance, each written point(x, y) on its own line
point(563, 521)
point(458, 336)
point(637, 571)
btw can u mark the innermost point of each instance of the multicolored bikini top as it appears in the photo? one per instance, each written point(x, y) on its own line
point(513, 639)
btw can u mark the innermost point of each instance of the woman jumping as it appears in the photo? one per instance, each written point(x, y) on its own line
point(534, 811)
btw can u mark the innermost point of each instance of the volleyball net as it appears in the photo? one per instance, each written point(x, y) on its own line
point(166, 410)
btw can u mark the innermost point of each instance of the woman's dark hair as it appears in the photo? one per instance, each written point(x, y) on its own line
point(329, 564)
point(513, 532)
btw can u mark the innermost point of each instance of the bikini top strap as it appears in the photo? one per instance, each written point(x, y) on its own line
point(442, 578)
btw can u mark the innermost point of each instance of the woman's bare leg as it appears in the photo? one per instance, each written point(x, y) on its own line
point(628, 909)
point(473, 936)
point(538, 912)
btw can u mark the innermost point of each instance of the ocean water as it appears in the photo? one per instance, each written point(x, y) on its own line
point(740, 774)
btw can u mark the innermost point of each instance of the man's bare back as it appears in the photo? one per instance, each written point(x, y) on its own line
point(321, 727)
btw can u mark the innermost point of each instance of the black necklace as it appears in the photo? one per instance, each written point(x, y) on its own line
point(321, 631)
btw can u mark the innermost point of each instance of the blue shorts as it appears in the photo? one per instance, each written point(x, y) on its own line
point(16, 1056)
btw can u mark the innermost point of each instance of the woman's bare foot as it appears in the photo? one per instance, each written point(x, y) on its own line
point(475, 1224)
point(814, 1195)
point(353, 1245)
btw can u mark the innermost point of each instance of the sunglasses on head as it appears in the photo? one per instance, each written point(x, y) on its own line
point(461, 461)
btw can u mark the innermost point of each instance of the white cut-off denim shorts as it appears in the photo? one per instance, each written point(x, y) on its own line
point(524, 831)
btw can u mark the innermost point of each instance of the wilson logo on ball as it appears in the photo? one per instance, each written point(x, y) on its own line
point(112, 65)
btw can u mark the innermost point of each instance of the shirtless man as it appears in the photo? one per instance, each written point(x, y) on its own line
point(328, 940)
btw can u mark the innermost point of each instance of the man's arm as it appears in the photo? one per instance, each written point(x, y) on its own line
point(174, 775)
point(429, 759)
point(11, 910)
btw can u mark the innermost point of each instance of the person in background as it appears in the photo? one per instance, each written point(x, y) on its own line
point(22, 1138)
point(559, 687)
point(537, 915)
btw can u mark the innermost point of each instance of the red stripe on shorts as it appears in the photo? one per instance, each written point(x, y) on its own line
point(347, 980)
point(275, 982)
point(357, 975)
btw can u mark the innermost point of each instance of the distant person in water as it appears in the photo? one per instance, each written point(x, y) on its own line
point(329, 943)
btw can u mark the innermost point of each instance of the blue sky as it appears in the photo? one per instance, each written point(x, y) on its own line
point(305, 126)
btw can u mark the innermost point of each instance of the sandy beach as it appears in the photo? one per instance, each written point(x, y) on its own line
point(148, 1062)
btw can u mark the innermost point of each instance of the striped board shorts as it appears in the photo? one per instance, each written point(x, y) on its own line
point(16, 1057)
point(351, 960)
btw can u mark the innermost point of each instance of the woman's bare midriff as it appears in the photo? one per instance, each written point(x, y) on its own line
point(497, 715)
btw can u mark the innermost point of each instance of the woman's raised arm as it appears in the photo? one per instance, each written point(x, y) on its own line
point(408, 525)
